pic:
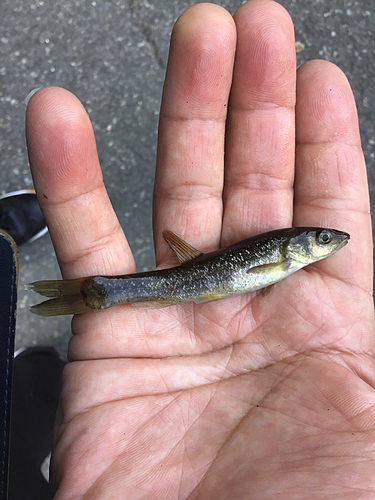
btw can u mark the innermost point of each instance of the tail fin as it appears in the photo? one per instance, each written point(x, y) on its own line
point(65, 297)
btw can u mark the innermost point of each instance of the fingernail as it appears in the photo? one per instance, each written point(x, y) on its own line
point(30, 94)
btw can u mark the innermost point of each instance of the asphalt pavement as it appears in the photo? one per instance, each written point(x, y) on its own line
point(112, 55)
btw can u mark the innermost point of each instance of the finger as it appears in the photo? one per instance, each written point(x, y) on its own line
point(331, 183)
point(189, 173)
point(259, 161)
point(65, 167)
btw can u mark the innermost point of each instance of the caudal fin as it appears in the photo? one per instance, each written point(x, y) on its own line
point(65, 297)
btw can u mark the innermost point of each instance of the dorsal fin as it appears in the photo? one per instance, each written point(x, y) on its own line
point(183, 250)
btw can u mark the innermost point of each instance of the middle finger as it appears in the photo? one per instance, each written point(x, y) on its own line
point(260, 140)
point(190, 164)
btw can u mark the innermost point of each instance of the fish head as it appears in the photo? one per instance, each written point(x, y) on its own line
point(307, 245)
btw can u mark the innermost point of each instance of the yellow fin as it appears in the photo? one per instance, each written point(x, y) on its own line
point(183, 250)
point(210, 297)
point(282, 266)
point(65, 297)
point(61, 305)
point(57, 288)
point(266, 291)
point(153, 304)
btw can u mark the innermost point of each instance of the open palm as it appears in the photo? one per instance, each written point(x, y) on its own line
point(245, 398)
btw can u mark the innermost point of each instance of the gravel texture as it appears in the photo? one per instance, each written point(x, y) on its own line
point(112, 55)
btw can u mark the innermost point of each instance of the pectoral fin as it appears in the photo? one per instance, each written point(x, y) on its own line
point(266, 268)
point(183, 250)
point(275, 267)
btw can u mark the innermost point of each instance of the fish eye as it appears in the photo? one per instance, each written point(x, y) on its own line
point(325, 236)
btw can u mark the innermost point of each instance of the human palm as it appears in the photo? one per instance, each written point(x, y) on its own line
point(250, 397)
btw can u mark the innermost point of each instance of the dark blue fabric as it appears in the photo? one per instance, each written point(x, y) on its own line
point(8, 301)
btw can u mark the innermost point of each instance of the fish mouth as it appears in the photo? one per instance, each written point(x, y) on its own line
point(342, 237)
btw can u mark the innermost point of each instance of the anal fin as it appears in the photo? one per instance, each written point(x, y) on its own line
point(153, 304)
point(209, 297)
point(266, 291)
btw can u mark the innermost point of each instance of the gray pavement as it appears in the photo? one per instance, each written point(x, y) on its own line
point(112, 54)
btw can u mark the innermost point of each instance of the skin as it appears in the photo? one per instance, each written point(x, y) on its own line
point(251, 397)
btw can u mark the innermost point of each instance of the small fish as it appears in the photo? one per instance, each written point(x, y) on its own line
point(248, 265)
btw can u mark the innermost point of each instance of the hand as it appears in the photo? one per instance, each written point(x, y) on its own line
point(245, 398)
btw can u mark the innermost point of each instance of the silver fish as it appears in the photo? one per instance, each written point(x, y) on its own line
point(251, 264)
